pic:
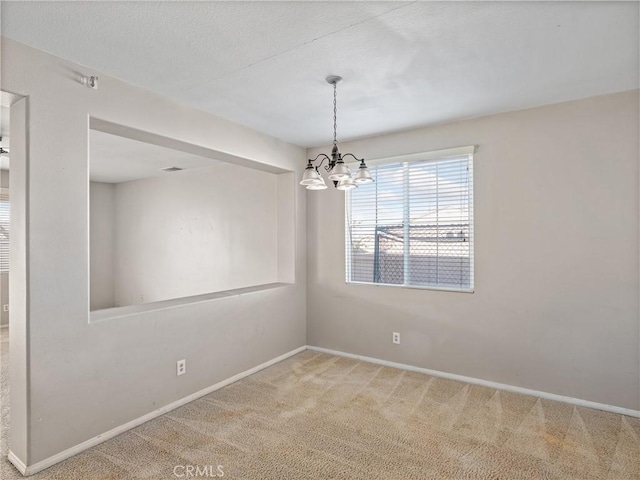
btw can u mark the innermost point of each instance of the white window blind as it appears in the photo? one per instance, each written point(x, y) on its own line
point(414, 225)
point(4, 230)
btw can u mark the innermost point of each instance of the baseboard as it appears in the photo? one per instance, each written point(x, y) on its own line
point(70, 452)
point(22, 468)
point(477, 381)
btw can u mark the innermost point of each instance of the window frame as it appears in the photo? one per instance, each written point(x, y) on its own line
point(409, 158)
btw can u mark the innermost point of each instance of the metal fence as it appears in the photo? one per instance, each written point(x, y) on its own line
point(436, 255)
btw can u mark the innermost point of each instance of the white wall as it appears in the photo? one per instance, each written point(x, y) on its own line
point(4, 277)
point(102, 230)
point(73, 369)
point(19, 360)
point(195, 232)
point(183, 234)
point(555, 306)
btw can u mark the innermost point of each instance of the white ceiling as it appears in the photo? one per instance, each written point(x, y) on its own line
point(115, 159)
point(406, 64)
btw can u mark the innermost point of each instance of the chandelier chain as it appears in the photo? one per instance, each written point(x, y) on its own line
point(335, 114)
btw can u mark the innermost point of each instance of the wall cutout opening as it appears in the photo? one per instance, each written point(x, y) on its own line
point(167, 223)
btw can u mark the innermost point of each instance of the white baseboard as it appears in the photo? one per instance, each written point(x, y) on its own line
point(22, 468)
point(70, 452)
point(476, 381)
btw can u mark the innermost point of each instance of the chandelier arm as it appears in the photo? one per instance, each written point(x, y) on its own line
point(324, 157)
point(354, 157)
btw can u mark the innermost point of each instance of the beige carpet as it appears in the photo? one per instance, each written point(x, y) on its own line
point(317, 416)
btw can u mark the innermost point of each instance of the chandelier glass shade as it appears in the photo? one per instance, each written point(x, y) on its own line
point(346, 184)
point(311, 177)
point(318, 185)
point(338, 172)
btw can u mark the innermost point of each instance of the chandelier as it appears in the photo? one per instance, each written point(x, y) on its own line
point(339, 173)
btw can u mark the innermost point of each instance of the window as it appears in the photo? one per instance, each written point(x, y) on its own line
point(414, 225)
point(4, 230)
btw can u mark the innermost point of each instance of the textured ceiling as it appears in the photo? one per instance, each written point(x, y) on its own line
point(115, 159)
point(406, 64)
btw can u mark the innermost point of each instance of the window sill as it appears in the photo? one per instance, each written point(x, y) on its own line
point(414, 287)
point(96, 316)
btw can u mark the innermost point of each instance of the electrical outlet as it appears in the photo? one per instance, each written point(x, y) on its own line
point(181, 367)
point(396, 338)
point(5, 307)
